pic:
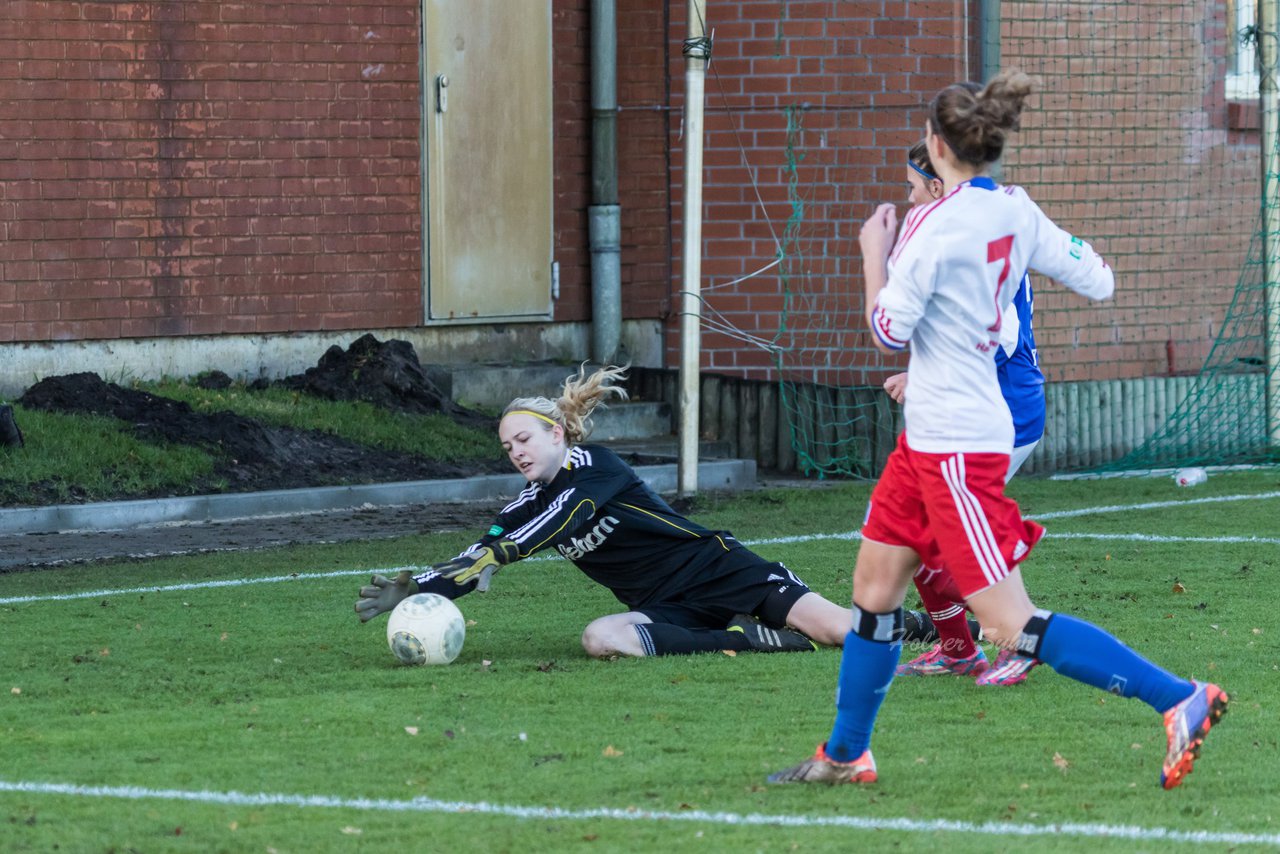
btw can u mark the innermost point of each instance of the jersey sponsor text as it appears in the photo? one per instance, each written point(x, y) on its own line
point(579, 546)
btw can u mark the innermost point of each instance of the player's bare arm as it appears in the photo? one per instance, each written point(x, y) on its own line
point(876, 242)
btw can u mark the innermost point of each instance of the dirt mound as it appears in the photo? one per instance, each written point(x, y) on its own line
point(252, 456)
point(386, 374)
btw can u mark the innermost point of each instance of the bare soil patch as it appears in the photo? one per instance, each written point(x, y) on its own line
point(255, 457)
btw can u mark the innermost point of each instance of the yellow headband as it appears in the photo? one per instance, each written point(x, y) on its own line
point(550, 421)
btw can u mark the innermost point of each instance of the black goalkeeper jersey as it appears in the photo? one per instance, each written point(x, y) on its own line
point(598, 514)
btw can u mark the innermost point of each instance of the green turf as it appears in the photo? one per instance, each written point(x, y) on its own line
point(72, 458)
point(276, 688)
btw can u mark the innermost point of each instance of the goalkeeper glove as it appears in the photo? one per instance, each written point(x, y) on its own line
point(382, 594)
point(479, 565)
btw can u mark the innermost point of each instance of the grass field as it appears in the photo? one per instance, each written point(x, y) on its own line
point(234, 703)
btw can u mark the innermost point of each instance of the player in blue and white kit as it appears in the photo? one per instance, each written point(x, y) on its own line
point(944, 287)
point(686, 588)
point(1021, 382)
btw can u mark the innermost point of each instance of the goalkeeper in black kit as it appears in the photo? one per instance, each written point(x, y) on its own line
point(687, 589)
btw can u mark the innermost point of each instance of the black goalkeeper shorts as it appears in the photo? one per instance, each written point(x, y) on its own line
point(765, 590)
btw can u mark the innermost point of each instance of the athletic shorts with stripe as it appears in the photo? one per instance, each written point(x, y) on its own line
point(952, 511)
point(764, 589)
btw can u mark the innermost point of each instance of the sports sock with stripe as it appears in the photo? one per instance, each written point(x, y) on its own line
point(871, 653)
point(946, 612)
point(1090, 655)
point(668, 639)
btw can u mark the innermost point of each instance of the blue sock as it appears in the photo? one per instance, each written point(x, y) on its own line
point(866, 669)
point(1086, 653)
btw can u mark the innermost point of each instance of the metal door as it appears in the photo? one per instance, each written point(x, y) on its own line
point(487, 170)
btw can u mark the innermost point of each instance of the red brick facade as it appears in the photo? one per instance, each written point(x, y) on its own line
point(643, 180)
point(1133, 143)
point(173, 169)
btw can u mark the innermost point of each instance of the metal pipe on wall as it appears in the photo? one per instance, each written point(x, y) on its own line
point(604, 216)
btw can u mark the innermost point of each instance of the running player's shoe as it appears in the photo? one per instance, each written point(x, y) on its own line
point(935, 663)
point(1011, 668)
point(763, 638)
point(917, 627)
point(821, 768)
point(1187, 724)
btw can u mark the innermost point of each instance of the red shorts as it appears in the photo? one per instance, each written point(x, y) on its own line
point(952, 511)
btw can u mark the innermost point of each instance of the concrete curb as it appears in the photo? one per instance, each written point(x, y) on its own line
point(730, 475)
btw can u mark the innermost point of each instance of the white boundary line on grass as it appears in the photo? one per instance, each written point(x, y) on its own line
point(346, 573)
point(430, 805)
point(1162, 538)
point(1153, 505)
point(770, 541)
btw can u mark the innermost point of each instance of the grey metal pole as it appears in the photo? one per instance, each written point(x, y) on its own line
point(1269, 67)
point(696, 52)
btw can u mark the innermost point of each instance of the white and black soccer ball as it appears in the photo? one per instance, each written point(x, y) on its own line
point(426, 628)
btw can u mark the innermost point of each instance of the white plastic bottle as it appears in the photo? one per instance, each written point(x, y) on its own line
point(1190, 476)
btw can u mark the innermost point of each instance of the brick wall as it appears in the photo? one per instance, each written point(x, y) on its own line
point(1131, 146)
point(643, 180)
point(643, 192)
point(206, 167)
point(171, 169)
point(571, 141)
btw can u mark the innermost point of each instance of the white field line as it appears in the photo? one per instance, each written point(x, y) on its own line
point(1162, 538)
point(430, 805)
point(1153, 505)
point(1059, 514)
point(770, 541)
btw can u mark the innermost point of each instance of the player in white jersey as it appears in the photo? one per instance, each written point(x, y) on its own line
point(1022, 385)
point(945, 287)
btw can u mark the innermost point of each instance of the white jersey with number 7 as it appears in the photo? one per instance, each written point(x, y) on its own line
point(952, 276)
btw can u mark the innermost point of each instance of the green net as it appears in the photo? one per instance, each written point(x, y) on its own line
point(1143, 139)
point(1220, 417)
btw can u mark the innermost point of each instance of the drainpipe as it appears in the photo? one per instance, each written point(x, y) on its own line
point(989, 34)
point(604, 216)
point(989, 10)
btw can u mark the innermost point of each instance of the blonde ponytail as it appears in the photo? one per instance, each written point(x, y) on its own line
point(579, 396)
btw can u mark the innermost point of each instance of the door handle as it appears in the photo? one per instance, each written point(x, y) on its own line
point(442, 93)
